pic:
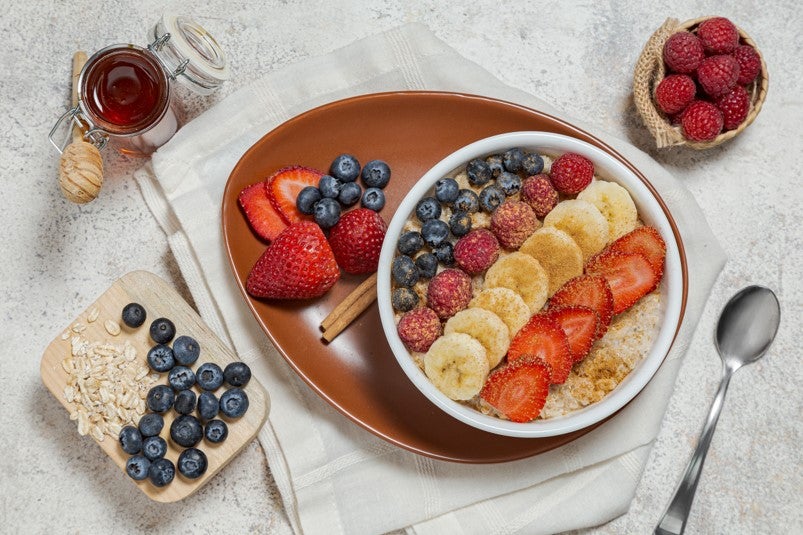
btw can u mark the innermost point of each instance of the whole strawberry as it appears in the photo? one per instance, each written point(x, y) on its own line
point(718, 74)
point(734, 107)
point(674, 93)
point(749, 63)
point(701, 121)
point(571, 173)
point(299, 264)
point(357, 240)
point(718, 36)
point(683, 52)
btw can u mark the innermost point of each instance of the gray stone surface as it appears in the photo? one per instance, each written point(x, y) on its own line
point(578, 56)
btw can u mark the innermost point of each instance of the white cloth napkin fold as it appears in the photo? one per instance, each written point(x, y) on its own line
point(335, 477)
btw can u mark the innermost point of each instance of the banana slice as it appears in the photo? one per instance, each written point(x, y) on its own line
point(557, 252)
point(486, 327)
point(524, 275)
point(616, 205)
point(456, 364)
point(583, 222)
point(506, 304)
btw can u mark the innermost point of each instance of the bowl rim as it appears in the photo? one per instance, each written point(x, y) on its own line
point(651, 210)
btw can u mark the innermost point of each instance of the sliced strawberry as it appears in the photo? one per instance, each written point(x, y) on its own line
point(629, 275)
point(580, 324)
point(284, 186)
point(261, 214)
point(542, 338)
point(518, 390)
point(299, 264)
point(590, 291)
point(646, 241)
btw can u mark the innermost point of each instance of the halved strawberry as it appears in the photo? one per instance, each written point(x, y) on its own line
point(284, 186)
point(259, 211)
point(518, 390)
point(629, 275)
point(646, 241)
point(590, 291)
point(580, 325)
point(542, 338)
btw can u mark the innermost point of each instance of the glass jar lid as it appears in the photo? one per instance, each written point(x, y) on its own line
point(189, 53)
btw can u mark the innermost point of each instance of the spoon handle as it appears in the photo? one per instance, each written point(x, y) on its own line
point(674, 520)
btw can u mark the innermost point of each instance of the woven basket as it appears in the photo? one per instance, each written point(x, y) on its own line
point(649, 72)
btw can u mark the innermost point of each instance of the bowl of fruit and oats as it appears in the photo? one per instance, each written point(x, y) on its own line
point(530, 284)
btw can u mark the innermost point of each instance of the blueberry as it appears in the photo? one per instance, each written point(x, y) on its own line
point(350, 193)
point(208, 406)
point(237, 374)
point(460, 223)
point(345, 168)
point(446, 190)
point(216, 431)
point(186, 350)
point(509, 183)
point(134, 315)
point(403, 299)
point(373, 199)
point(329, 187)
point(478, 172)
point(161, 472)
point(192, 463)
point(160, 398)
point(154, 448)
point(434, 232)
point(185, 402)
point(496, 163)
point(532, 164)
point(137, 467)
point(491, 197)
point(512, 159)
point(151, 424)
point(186, 430)
point(130, 439)
point(162, 330)
point(181, 378)
point(327, 212)
point(467, 201)
point(428, 208)
point(161, 358)
point(234, 403)
point(376, 174)
point(307, 197)
point(209, 376)
point(427, 265)
point(445, 253)
point(410, 243)
point(404, 271)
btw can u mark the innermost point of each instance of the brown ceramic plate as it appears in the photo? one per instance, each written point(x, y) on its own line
point(357, 372)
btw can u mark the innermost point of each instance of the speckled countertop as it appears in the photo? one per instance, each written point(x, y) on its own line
point(578, 56)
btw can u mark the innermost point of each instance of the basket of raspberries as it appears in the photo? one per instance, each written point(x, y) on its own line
point(699, 83)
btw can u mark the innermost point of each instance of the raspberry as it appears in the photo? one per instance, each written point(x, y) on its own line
point(476, 251)
point(718, 36)
point(674, 93)
point(571, 173)
point(513, 222)
point(538, 192)
point(701, 121)
point(734, 107)
point(749, 63)
point(718, 74)
point(449, 292)
point(419, 328)
point(683, 52)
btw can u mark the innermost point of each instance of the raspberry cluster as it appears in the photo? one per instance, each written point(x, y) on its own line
point(707, 71)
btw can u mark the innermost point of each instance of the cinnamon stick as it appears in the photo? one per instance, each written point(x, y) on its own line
point(349, 309)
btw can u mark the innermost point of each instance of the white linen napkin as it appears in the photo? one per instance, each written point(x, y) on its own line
point(335, 477)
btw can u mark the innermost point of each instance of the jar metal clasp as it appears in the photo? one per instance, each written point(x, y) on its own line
point(172, 72)
point(61, 134)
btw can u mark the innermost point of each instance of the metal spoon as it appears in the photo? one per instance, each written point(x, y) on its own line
point(746, 328)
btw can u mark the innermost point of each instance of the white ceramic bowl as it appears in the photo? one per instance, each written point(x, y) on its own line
point(650, 211)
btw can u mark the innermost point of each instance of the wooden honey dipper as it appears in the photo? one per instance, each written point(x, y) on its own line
point(81, 166)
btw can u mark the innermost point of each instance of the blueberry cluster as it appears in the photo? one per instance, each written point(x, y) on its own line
point(143, 442)
point(496, 177)
point(339, 190)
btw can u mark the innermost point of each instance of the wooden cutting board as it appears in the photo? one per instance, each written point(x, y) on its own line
point(159, 300)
